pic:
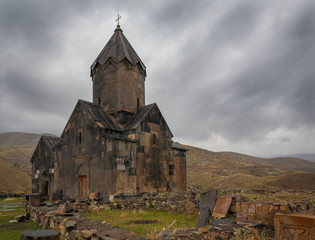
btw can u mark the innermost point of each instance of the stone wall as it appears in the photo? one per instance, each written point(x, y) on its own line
point(169, 202)
point(73, 226)
point(10, 195)
point(118, 86)
point(265, 211)
point(240, 209)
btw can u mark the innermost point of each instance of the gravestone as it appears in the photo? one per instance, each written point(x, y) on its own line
point(222, 207)
point(206, 206)
point(294, 226)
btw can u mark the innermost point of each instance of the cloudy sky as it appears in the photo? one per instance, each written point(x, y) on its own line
point(227, 75)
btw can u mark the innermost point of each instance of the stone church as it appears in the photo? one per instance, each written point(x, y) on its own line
point(115, 144)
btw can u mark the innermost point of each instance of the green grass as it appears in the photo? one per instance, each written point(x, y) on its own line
point(9, 209)
point(125, 218)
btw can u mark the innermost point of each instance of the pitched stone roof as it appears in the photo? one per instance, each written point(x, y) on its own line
point(108, 122)
point(139, 117)
point(99, 115)
point(118, 48)
point(51, 141)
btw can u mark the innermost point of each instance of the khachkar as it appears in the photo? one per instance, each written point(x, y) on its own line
point(294, 227)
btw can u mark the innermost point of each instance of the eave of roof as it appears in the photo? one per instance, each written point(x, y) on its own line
point(179, 147)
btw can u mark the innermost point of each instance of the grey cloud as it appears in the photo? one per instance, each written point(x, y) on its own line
point(201, 89)
point(236, 109)
point(237, 24)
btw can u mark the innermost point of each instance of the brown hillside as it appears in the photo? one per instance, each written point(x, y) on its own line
point(15, 153)
point(17, 148)
point(14, 179)
point(295, 181)
point(282, 162)
point(228, 170)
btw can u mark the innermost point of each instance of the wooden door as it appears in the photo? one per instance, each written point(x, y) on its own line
point(83, 186)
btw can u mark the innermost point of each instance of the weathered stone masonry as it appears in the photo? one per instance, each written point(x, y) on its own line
point(116, 144)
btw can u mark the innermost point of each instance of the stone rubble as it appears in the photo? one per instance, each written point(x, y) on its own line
point(63, 216)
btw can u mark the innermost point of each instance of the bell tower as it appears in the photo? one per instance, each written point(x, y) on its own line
point(118, 76)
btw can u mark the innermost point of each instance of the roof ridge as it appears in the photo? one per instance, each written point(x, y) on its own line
point(48, 136)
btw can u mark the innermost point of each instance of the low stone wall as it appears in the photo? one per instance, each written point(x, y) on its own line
point(73, 226)
point(241, 209)
point(168, 201)
point(264, 212)
point(11, 195)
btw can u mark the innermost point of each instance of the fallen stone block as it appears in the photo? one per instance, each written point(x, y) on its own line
point(61, 209)
point(203, 218)
point(222, 207)
point(206, 206)
point(294, 226)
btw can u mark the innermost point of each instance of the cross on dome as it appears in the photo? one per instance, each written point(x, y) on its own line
point(117, 20)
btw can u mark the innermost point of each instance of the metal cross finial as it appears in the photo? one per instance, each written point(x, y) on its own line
point(118, 17)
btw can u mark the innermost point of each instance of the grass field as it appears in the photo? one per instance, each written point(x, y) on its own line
point(10, 209)
point(144, 222)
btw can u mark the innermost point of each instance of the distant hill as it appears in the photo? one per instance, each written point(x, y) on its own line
point(306, 156)
point(281, 162)
point(16, 147)
point(205, 169)
point(16, 150)
point(229, 170)
point(14, 179)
